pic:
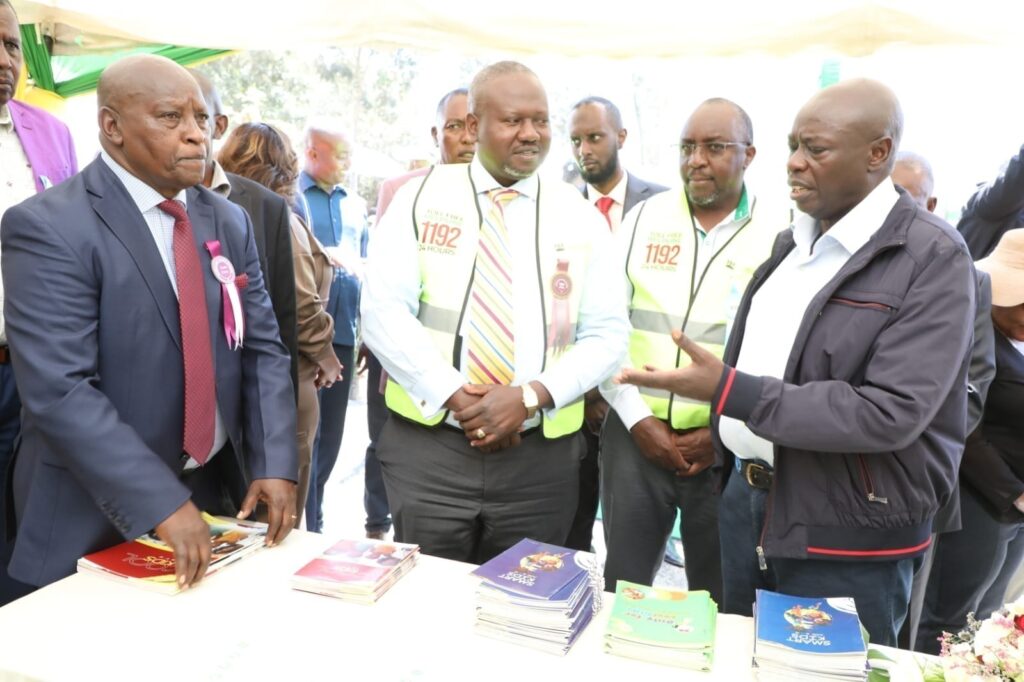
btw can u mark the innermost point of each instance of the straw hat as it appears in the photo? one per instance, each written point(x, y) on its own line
point(1005, 265)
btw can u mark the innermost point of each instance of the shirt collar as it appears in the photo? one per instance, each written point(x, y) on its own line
point(854, 229)
point(485, 182)
point(618, 193)
point(144, 196)
point(220, 183)
point(743, 209)
point(5, 117)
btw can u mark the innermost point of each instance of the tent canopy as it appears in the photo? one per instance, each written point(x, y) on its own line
point(640, 28)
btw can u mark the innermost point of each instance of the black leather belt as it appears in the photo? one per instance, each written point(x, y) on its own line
point(756, 473)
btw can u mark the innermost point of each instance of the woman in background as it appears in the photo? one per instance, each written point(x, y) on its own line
point(262, 153)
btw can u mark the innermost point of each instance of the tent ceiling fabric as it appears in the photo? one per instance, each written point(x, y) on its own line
point(648, 28)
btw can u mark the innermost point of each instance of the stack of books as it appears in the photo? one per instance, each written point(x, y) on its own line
point(798, 638)
point(538, 595)
point(149, 563)
point(672, 627)
point(356, 570)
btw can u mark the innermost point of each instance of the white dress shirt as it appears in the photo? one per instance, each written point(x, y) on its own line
point(16, 184)
point(625, 399)
point(391, 296)
point(778, 307)
point(161, 227)
point(618, 195)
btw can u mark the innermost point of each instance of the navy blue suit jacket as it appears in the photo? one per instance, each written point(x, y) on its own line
point(92, 323)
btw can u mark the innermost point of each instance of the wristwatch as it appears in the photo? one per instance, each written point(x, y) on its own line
point(530, 400)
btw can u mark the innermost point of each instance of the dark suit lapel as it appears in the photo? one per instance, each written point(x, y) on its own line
point(116, 209)
point(635, 193)
point(204, 229)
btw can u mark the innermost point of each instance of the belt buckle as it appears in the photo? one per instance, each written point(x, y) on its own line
point(757, 476)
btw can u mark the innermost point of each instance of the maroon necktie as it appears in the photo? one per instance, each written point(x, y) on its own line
point(200, 396)
point(604, 205)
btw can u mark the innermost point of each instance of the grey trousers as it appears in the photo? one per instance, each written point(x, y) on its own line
point(639, 501)
point(458, 503)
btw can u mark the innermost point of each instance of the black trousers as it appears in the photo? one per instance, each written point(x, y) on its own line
point(639, 501)
point(458, 503)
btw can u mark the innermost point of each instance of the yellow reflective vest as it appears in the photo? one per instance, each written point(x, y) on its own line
point(446, 219)
point(671, 290)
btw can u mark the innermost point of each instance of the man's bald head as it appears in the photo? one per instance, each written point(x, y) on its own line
point(913, 173)
point(843, 144)
point(328, 155)
point(153, 121)
point(480, 88)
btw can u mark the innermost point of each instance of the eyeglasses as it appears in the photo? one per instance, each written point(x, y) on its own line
point(711, 149)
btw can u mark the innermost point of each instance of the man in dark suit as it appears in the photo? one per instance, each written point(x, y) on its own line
point(597, 135)
point(144, 401)
point(36, 152)
point(269, 213)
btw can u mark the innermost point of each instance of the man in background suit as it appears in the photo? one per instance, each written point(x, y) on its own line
point(597, 135)
point(137, 412)
point(269, 214)
point(36, 152)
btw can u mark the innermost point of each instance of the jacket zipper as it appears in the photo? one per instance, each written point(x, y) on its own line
point(862, 304)
point(869, 485)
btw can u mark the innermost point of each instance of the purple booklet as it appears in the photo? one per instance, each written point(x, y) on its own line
point(539, 571)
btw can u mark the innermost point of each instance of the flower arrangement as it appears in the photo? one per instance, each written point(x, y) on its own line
point(990, 650)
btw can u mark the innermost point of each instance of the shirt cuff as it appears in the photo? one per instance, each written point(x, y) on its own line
point(434, 388)
point(562, 391)
point(737, 394)
point(628, 404)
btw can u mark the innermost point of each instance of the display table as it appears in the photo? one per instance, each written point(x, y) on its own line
point(245, 623)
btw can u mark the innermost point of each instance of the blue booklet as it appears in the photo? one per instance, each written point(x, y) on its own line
point(537, 570)
point(808, 625)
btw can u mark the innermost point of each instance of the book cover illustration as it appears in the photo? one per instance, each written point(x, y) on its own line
point(357, 562)
point(819, 626)
point(148, 560)
point(538, 570)
point(662, 617)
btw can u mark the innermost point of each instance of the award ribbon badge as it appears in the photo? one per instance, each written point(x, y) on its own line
point(561, 286)
point(224, 271)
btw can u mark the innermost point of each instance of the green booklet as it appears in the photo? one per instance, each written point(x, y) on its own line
point(675, 627)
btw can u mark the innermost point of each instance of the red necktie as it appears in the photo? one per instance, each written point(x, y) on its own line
point(200, 394)
point(604, 205)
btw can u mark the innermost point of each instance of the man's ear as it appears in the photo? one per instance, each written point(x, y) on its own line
point(932, 203)
point(472, 125)
point(880, 152)
point(622, 137)
point(433, 134)
point(110, 126)
point(220, 126)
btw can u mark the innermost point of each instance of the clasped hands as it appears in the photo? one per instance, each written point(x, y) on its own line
point(490, 414)
point(690, 452)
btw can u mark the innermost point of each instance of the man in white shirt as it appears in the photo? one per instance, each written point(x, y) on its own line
point(839, 409)
point(492, 304)
point(596, 135)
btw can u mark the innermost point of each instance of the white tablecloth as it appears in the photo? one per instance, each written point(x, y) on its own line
point(245, 623)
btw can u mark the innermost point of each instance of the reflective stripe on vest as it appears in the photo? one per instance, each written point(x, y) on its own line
point(661, 266)
point(447, 197)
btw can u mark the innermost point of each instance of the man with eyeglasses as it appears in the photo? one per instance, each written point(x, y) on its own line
point(688, 255)
point(840, 407)
point(455, 145)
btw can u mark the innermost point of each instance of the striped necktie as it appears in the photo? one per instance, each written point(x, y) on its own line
point(491, 343)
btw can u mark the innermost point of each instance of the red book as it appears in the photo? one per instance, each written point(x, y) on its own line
point(148, 562)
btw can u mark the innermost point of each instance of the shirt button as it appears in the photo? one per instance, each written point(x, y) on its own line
point(423, 403)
